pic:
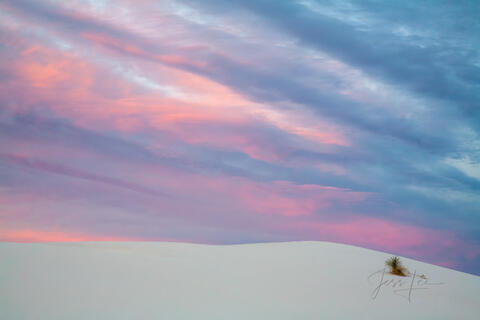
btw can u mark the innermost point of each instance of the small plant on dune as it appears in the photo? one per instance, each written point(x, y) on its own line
point(396, 267)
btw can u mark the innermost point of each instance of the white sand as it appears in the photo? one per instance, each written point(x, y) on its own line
point(294, 280)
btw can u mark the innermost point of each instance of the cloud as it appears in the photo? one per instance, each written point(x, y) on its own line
point(425, 68)
point(70, 172)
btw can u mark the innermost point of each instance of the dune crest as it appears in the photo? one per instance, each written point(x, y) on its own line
point(161, 280)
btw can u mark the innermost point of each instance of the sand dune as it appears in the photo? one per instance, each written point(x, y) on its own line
point(292, 280)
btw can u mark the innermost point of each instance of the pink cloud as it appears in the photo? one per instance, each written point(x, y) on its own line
point(281, 198)
point(47, 68)
point(67, 82)
point(125, 47)
point(287, 199)
point(30, 235)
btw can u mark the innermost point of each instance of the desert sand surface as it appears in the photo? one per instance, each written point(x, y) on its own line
point(164, 280)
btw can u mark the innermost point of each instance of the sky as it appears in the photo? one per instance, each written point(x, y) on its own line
point(228, 122)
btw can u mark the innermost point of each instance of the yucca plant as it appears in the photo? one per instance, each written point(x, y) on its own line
point(396, 266)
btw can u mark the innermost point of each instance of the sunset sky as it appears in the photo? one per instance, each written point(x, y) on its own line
point(240, 121)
